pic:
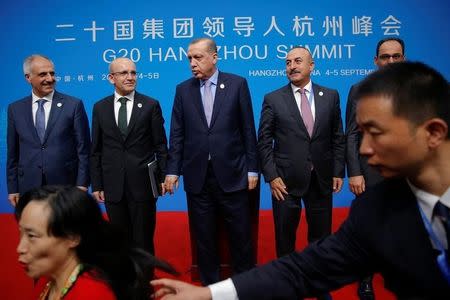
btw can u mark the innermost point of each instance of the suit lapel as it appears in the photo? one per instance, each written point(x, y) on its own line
point(135, 112)
point(197, 100)
point(56, 110)
point(409, 230)
point(109, 110)
point(28, 110)
point(319, 106)
point(220, 97)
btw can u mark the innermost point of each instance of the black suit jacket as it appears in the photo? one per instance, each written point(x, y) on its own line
point(356, 163)
point(116, 160)
point(383, 233)
point(230, 139)
point(63, 156)
point(285, 148)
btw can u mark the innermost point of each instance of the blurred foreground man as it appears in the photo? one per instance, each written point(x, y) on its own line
point(400, 228)
point(360, 174)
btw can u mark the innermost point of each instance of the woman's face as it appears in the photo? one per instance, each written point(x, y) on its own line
point(42, 254)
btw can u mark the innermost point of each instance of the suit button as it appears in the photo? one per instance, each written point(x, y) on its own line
point(43, 147)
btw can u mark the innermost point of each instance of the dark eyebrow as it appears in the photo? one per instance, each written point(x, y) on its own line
point(370, 123)
point(44, 73)
point(295, 58)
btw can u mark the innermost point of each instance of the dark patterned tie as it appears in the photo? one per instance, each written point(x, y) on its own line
point(307, 116)
point(40, 119)
point(122, 118)
point(443, 213)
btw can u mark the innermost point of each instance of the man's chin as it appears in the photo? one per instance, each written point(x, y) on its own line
point(387, 173)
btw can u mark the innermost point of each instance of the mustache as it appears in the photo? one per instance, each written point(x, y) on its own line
point(294, 72)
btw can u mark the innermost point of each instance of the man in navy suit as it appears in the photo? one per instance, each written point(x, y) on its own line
point(213, 145)
point(399, 228)
point(48, 135)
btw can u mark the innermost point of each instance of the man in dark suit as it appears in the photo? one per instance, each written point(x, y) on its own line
point(127, 134)
point(400, 227)
point(360, 175)
point(213, 145)
point(48, 135)
point(301, 159)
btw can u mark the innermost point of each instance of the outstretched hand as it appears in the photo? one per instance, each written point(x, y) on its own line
point(170, 289)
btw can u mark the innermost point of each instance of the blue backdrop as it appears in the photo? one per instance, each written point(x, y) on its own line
point(82, 37)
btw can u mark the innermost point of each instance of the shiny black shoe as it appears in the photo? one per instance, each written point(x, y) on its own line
point(365, 289)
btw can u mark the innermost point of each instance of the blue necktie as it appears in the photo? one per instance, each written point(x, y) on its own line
point(208, 101)
point(40, 119)
point(443, 213)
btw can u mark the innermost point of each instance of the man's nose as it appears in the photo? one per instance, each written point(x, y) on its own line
point(365, 148)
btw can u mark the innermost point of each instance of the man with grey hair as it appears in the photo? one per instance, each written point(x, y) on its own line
point(47, 136)
point(213, 145)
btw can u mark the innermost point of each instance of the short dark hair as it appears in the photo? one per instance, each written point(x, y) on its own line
point(212, 46)
point(102, 247)
point(398, 40)
point(417, 91)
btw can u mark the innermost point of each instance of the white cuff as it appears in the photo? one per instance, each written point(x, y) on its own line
point(223, 290)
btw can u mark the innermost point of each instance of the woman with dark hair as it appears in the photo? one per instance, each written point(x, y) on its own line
point(74, 253)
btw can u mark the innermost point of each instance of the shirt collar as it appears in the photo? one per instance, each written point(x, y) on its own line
point(48, 97)
point(130, 96)
point(307, 87)
point(427, 201)
point(213, 78)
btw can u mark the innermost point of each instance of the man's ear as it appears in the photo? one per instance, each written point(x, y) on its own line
point(437, 131)
point(111, 78)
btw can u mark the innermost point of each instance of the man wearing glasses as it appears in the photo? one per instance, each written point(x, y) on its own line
point(127, 134)
point(360, 175)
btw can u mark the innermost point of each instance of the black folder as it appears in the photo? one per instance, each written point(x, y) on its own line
point(153, 174)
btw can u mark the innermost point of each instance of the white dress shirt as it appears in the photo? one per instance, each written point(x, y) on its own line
point(117, 105)
point(427, 202)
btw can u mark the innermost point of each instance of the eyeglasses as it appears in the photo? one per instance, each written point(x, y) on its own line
point(395, 57)
point(125, 73)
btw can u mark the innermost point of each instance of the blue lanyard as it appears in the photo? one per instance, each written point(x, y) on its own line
point(442, 257)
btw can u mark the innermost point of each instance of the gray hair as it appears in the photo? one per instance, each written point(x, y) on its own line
point(212, 47)
point(29, 61)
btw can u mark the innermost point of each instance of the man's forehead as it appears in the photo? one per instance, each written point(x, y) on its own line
point(123, 64)
point(374, 106)
point(41, 63)
point(391, 45)
point(297, 53)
